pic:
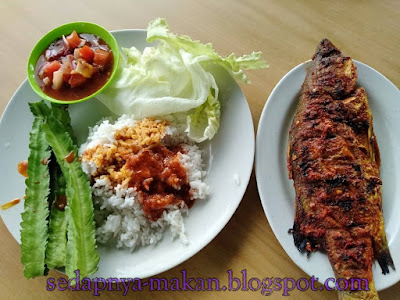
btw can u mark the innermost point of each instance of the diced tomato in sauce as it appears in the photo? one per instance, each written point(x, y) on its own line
point(101, 57)
point(73, 40)
point(52, 67)
point(86, 53)
point(76, 80)
point(66, 77)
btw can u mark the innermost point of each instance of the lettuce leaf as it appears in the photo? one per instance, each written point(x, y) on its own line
point(203, 123)
point(174, 77)
point(34, 218)
point(158, 30)
point(81, 252)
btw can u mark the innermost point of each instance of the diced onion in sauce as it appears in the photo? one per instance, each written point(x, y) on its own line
point(77, 53)
point(83, 42)
point(65, 40)
point(83, 68)
point(58, 79)
point(46, 81)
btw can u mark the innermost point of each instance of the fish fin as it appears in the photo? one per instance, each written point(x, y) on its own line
point(304, 243)
point(300, 241)
point(385, 260)
point(381, 248)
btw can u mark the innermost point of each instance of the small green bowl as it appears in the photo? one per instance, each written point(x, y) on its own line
point(66, 29)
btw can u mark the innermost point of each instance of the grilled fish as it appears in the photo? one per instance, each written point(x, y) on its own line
point(333, 159)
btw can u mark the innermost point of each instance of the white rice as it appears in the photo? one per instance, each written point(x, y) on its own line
point(118, 214)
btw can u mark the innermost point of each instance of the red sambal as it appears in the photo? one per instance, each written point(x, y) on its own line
point(160, 179)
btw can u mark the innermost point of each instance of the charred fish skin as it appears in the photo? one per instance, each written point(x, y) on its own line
point(334, 160)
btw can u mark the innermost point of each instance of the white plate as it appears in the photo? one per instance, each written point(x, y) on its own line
point(229, 158)
point(276, 190)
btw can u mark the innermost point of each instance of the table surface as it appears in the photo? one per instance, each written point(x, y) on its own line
point(287, 33)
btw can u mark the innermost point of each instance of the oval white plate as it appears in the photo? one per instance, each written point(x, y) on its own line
point(206, 219)
point(276, 190)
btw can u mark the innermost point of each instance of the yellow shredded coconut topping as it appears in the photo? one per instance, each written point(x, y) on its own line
point(111, 160)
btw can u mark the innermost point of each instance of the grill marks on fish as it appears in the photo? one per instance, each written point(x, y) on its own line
point(334, 160)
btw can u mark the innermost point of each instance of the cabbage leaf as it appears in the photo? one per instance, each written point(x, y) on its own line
point(174, 77)
point(203, 123)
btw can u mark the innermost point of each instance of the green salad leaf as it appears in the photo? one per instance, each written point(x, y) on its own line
point(158, 30)
point(34, 218)
point(174, 77)
point(203, 123)
point(81, 251)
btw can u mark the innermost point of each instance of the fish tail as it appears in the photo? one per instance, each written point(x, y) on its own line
point(351, 258)
point(385, 260)
point(371, 294)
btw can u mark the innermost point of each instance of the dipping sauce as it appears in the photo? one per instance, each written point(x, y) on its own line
point(74, 67)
